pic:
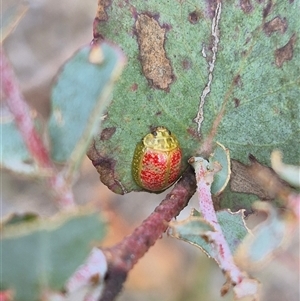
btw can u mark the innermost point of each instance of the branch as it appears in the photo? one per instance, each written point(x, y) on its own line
point(243, 285)
point(122, 257)
point(21, 111)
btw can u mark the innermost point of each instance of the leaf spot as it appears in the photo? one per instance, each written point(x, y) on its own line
point(156, 66)
point(236, 102)
point(134, 87)
point(246, 6)
point(276, 24)
point(186, 64)
point(237, 80)
point(101, 14)
point(106, 169)
point(285, 53)
point(267, 9)
point(107, 133)
point(194, 17)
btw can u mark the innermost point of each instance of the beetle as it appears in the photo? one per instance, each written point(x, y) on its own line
point(157, 160)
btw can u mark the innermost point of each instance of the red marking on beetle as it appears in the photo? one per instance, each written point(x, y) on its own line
point(160, 169)
point(157, 159)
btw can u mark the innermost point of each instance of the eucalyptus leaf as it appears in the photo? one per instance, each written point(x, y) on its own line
point(255, 80)
point(42, 254)
point(79, 99)
point(192, 230)
point(14, 153)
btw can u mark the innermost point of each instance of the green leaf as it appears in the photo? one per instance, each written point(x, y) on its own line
point(289, 173)
point(14, 153)
point(42, 254)
point(192, 230)
point(255, 80)
point(221, 178)
point(236, 201)
point(79, 98)
point(267, 238)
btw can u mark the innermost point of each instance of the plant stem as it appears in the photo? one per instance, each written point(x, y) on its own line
point(123, 256)
point(21, 111)
point(220, 247)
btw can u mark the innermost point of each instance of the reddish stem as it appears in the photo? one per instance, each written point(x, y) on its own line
point(123, 256)
point(220, 248)
point(6, 295)
point(21, 111)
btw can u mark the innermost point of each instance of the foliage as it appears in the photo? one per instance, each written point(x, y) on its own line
point(223, 77)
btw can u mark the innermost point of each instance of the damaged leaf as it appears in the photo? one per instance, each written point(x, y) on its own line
point(193, 230)
point(41, 249)
point(79, 99)
point(170, 49)
point(266, 239)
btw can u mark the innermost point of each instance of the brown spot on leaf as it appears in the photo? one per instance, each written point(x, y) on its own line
point(107, 133)
point(285, 53)
point(194, 16)
point(101, 14)
point(133, 11)
point(105, 166)
point(246, 6)
point(106, 169)
point(193, 132)
point(211, 8)
point(134, 87)
point(237, 80)
point(276, 24)
point(167, 27)
point(236, 102)
point(186, 64)
point(267, 9)
point(151, 38)
point(242, 180)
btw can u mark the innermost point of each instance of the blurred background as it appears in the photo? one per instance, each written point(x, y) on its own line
point(49, 33)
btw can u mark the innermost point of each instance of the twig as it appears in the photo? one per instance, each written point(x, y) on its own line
point(123, 256)
point(21, 111)
point(220, 249)
point(222, 253)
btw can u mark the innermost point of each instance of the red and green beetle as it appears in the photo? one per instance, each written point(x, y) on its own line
point(157, 160)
